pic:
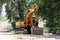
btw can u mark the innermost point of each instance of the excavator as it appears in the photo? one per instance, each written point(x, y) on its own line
point(30, 22)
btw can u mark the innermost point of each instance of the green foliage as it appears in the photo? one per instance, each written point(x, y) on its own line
point(15, 11)
point(50, 10)
point(3, 19)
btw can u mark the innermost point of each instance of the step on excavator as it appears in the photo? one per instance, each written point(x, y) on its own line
point(31, 23)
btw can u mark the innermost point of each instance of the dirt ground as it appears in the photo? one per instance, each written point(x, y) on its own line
point(13, 36)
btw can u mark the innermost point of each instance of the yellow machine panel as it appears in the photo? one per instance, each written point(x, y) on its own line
point(20, 24)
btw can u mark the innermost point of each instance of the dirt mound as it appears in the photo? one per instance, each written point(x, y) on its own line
point(5, 25)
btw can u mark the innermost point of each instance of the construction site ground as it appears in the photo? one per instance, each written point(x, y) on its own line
point(13, 36)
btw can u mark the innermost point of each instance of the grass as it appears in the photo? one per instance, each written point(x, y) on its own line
point(46, 30)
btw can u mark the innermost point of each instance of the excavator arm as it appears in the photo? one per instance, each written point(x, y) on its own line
point(36, 17)
point(29, 15)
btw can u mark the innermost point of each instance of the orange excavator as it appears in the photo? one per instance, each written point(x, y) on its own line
point(28, 24)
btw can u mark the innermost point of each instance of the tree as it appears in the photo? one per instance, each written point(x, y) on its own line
point(50, 12)
point(15, 11)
